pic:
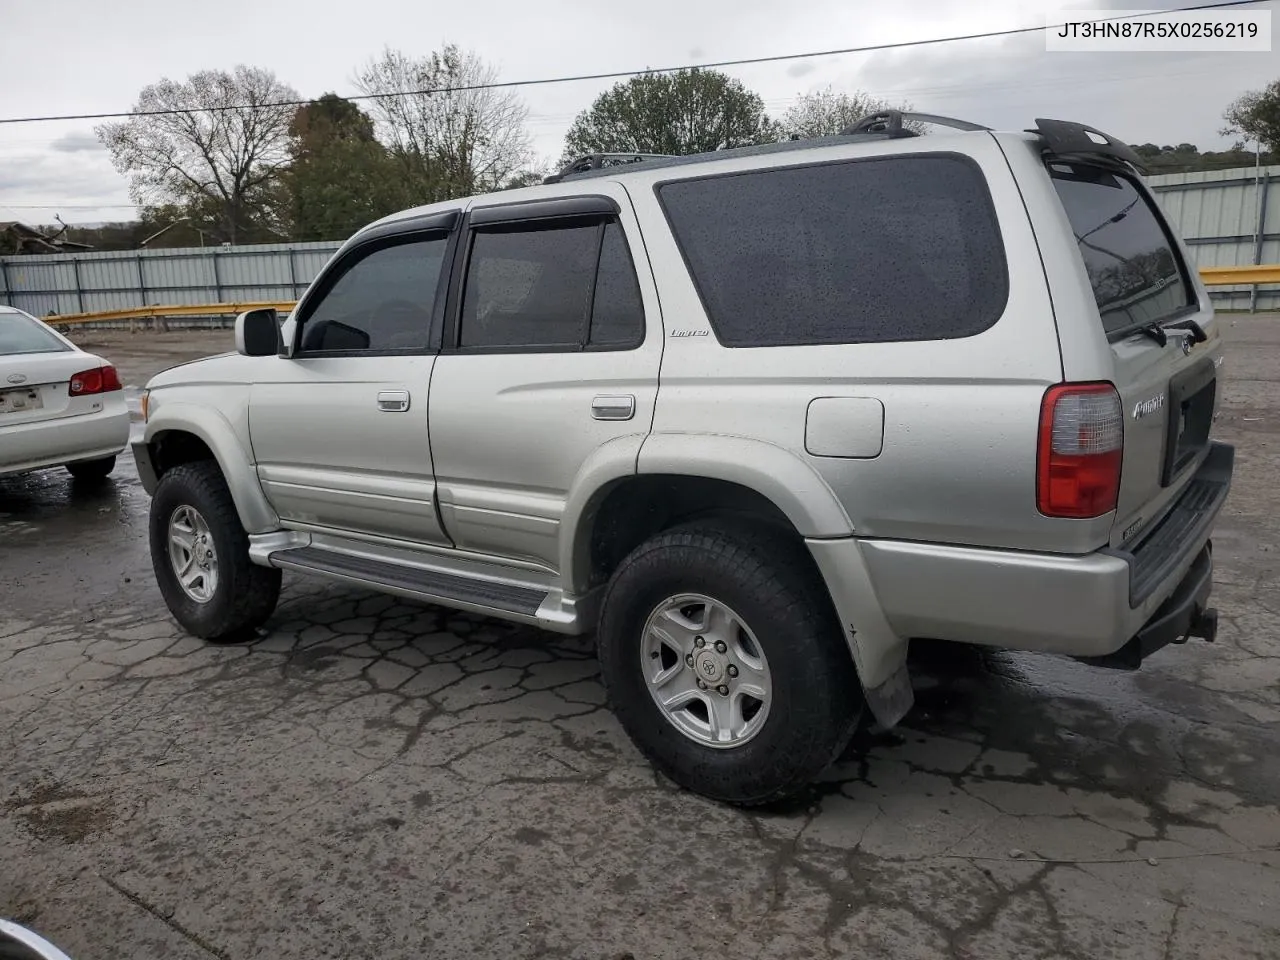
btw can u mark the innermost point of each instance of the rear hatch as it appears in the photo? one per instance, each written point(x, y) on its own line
point(1165, 348)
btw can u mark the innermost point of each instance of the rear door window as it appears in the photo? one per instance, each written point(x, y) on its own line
point(20, 334)
point(1136, 275)
point(889, 249)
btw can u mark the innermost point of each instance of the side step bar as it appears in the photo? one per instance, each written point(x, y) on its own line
point(432, 585)
point(475, 584)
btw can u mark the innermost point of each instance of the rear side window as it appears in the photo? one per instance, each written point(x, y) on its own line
point(20, 334)
point(1133, 269)
point(617, 314)
point(551, 286)
point(899, 248)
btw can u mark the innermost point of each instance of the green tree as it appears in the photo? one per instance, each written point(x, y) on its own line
point(1186, 157)
point(690, 111)
point(340, 177)
point(824, 113)
point(1256, 116)
point(214, 146)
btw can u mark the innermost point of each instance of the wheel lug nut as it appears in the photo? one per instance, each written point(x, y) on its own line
point(722, 690)
point(699, 642)
point(702, 685)
point(733, 671)
point(720, 647)
point(688, 659)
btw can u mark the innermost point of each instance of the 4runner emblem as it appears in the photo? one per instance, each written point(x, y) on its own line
point(1145, 407)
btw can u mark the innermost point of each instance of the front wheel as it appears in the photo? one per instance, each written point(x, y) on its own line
point(200, 554)
point(725, 663)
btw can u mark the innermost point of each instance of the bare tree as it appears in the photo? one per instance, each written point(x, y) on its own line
point(453, 134)
point(824, 113)
point(218, 155)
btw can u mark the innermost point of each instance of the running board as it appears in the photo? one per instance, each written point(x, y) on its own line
point(524, 602)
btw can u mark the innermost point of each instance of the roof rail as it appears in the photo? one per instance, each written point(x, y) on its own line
point(598, 161)
point(891, 123)
point(1066, 139)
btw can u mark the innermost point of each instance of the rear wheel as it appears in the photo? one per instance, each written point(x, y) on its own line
point(200, 554)
point(725, 663)
point(92, 470)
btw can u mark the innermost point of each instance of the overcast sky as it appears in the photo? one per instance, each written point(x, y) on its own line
point(87, 56)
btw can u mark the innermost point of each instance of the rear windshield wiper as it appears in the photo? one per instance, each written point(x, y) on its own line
point(1197, 332)
point(1154, 331)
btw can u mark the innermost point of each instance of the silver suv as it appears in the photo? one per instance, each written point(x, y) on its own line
point(756, 418)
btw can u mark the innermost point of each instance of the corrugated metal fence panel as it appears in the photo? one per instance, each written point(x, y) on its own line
point(1217, 213)
point(111, 280)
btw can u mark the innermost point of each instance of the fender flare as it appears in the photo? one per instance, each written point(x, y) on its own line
point(772, 471)
point(235, 462)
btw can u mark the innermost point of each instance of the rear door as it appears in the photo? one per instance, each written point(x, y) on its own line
point(551, 353)
point(1145, 294)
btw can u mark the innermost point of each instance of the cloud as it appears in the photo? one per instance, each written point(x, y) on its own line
point(78, 141)
point(801, 68)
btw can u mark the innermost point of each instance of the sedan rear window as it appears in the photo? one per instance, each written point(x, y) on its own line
point(1136, 275)
point(21, 334)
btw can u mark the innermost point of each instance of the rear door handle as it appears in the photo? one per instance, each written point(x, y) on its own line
point(393, 401)
point(614, 408)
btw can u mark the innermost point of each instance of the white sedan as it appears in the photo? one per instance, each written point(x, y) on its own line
point(59, 406)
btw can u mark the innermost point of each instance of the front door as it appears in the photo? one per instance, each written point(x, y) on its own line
point(339, 429)
point(551, 352)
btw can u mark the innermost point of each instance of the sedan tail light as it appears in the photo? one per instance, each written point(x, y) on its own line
point(1081, 448)
point(102, 379)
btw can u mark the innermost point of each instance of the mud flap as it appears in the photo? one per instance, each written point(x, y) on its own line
point(879, 654)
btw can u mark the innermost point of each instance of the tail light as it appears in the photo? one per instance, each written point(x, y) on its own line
point(1080, 451)
point(102, 379)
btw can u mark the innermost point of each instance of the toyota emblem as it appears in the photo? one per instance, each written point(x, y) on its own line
point(16, 378)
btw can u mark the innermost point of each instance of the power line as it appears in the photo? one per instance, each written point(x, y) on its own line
point(619, 74)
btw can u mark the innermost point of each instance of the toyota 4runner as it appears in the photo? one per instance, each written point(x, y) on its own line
point(755, 418)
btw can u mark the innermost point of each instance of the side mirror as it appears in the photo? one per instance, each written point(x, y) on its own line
point(19, 943)
point(258, 333)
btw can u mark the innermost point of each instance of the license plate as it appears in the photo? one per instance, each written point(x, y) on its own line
point(18, 401)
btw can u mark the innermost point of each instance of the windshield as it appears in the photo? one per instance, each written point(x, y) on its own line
point(22, 334)
point(1133, 269)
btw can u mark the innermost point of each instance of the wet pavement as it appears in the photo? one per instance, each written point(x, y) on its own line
point(373, 778)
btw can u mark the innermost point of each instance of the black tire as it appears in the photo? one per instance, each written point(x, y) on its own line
point(92, 471)
point(770, 581)
point(245, 594)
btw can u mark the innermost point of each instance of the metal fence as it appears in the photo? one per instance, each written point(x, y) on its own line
point(1223, 215)
point(88, 282)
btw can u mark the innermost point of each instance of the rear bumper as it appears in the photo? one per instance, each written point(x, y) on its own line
point(52, 443)
point(1087, 606)
point(1185, 613)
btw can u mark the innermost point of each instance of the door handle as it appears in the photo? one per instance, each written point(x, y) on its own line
point(613, 408)
point(393, 401)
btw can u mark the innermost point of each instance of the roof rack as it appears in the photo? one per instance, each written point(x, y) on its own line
point(892, 123)
point(1066, 140)
point(598, 161)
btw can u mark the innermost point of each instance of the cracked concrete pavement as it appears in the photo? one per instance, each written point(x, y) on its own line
point(374, 778)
